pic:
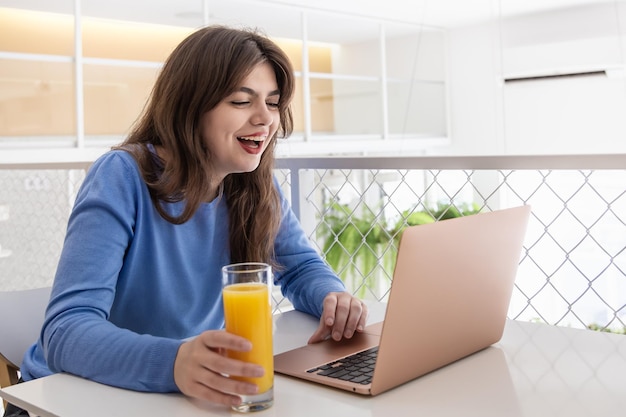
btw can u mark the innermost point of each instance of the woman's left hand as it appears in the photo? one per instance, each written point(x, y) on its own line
point(343, 314)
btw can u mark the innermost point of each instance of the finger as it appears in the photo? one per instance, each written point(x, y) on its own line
point(363, 319)
point(358, 318)
point(199, 390)
point(321, 333)
point(202, 372)
point(218, 397)
point(342, 313)
point(327, 319)
point(214, 360)
point(328, 312)
point(353, 320)
point(233, 367)
point(220, 389)
point(218, 340)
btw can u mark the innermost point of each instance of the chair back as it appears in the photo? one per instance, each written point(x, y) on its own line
point(21, 317)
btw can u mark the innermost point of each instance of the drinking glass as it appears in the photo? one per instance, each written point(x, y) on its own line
point(248, 313)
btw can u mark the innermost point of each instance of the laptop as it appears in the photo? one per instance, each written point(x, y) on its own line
point(450, 295)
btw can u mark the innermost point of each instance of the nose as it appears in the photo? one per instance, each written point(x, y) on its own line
point(262, 115)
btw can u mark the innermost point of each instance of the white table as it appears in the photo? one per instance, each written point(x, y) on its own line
point(536, 370)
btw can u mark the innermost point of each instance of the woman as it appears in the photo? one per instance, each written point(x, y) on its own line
point(190, 190)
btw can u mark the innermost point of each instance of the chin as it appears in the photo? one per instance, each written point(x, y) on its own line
point(248, 168)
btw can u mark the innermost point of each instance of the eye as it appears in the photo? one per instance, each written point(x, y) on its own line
point(239, 103)
point(273, 105)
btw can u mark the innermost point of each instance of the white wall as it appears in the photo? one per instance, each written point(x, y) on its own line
point(474, 92)
point(559, 115)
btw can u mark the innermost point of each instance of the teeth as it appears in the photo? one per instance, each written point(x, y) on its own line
point(252, 138)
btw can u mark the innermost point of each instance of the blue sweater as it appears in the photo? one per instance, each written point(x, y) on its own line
point(130, 286)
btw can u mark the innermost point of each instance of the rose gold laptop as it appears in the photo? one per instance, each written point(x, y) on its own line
point(450, 296)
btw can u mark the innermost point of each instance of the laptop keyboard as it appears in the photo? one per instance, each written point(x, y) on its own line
point(357, 368)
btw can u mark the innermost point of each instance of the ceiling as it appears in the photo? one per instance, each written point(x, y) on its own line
point(283, 17)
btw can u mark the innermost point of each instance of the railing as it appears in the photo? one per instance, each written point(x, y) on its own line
point(572, 270)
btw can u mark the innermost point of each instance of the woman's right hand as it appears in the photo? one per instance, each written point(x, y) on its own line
point(201, 365)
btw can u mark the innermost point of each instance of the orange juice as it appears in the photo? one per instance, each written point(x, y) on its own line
point(248, 313)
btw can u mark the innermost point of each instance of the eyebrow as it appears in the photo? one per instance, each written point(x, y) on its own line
point(254, 93)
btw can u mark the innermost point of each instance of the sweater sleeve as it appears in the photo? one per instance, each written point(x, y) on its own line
point(77, 336)
point(306, 278)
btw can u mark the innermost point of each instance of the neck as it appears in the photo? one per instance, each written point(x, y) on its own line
point(215, 191)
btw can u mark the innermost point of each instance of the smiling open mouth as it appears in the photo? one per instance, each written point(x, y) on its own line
point(252, 142)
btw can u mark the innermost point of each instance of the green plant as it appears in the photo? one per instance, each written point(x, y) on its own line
point(362, 248)
point(441, 211)
point(354, 245)
point(592, 326)
point(599, 328)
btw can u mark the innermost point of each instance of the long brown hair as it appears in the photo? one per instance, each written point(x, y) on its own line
point(201, 71)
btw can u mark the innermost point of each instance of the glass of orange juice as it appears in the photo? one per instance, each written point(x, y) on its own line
point(248, 313)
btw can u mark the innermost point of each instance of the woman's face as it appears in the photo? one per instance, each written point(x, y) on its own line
point(238, 130)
